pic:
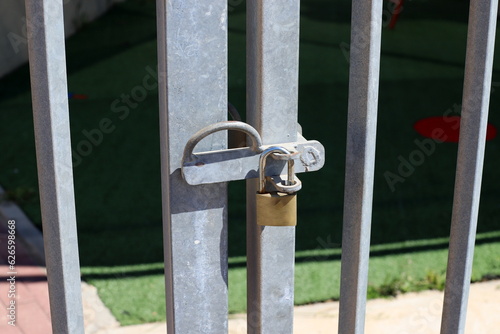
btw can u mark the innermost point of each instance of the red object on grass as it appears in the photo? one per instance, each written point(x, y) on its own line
point(446, 129)
point(398, 7)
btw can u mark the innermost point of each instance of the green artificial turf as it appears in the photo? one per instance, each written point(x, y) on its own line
point(394, 268)
point(117, 179)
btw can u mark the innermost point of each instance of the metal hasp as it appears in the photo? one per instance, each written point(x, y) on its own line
point(272, 96)
point(360, 162)
point(55, 170)
point(243, 163)
point(192, 71)
point(475, 103)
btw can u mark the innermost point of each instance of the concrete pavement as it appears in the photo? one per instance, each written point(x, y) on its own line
point(412, 313)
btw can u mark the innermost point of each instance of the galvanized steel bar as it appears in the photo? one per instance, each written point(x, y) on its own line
point(55, 171)
point(475, 103)
point(192, 66)
point(272, 86)
point(360, 162)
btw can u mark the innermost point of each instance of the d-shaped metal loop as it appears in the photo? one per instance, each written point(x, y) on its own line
point(255, 146)
point(285, 186)
point(292, 184)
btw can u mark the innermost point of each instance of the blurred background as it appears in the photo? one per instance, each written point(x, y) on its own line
point(111, 64)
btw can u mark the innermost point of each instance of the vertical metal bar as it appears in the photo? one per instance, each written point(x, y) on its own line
point(55, 172)
point(360, 162)
point(192, 64)
point(272, 83)
point(475, 103)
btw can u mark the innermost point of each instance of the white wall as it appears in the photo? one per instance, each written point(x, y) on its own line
point(13, 42)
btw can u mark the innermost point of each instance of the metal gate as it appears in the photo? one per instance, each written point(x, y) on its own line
point(192, 53)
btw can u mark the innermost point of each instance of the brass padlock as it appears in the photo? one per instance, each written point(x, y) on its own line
point(276, 208)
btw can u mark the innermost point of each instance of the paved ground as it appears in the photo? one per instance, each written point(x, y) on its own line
point(415, 313)
point(29, 290)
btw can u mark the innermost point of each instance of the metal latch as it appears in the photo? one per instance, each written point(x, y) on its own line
point(243, 163)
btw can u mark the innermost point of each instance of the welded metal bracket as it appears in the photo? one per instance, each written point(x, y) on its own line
point(243, 163)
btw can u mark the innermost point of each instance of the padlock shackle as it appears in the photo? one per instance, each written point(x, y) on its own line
point(255, 146)
point(262, 164)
